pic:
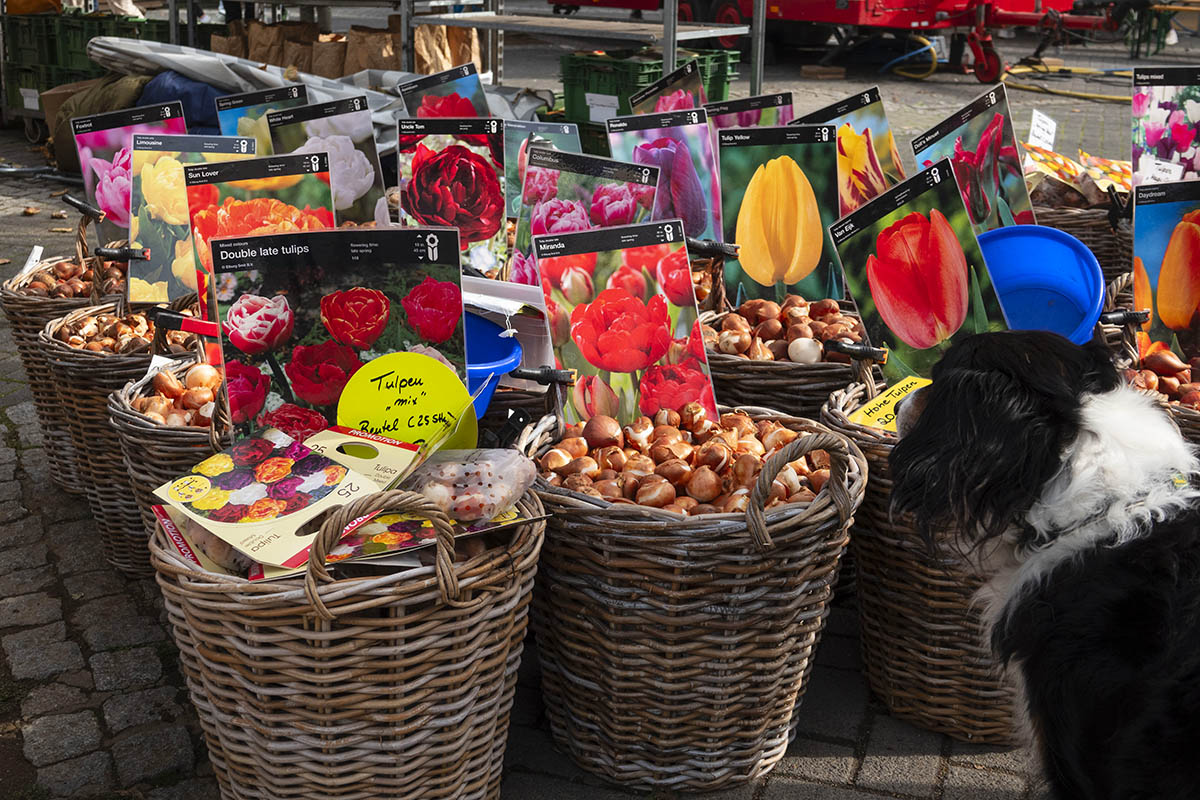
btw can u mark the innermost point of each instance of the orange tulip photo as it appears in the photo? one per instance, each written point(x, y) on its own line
point(1166, 248)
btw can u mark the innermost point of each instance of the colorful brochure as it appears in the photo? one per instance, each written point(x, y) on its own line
point(457, 92)
point(634, 340)
point(683, 88)
point(246, 114)
point(764, 110)
point(1166, 121)
point(158, 209)
point(385, 461)
point(343, 130)
point(779, 195)
point(982, 149)
point(912, 263)
point(519, 136)
point(1166, 241)
point(868, 162)
point(105, 146)
point(565, 192)
point(680, 144)
point(452, 174)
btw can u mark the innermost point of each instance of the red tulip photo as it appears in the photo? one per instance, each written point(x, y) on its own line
point(552, 268)
point(673, 386)
point(434, 309)
point(674, 274)
point(356, 316)
point(247, 388)
point(451, 105)
point(619, 333)
point(646, 258)
point(296, 421)
point(455, 187)
point(319, 372)
point(629, 279)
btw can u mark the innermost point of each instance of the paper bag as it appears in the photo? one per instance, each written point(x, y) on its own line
point(265, 43)
point(329, 56)
point(371, 48)
point(464, 47)
point(298, 55)
point(432, 50)
point(228, 45)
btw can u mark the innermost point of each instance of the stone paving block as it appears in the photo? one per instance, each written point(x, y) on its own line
point(522, 786)
point(807, 758)
point(194, 789)
point(90, 585)
point(17, 643)
point(784, 788)
point(1010, 759)
point(126, 669)
point(21, 558)
point(10, 490)
point(12, 510)
point(123, 711)
point(834, 704)
point(972, 783)
point(24, 581)
point(22, 414)
point(901, 758)
point(29, 437)
point(80, 677)
point(84, 776)
point(7, 454)
point(56, 738)
point(76, 545)
point(53, 698)
point(22, 532)
point(532, 750)
point(119, 607)
point(49, 660)
point(145, 754)
point(38, 608)
point(109, 634)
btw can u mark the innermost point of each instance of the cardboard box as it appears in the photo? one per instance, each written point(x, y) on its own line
point(52, 99)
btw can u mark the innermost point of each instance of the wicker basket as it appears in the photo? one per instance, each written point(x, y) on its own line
point(155, 454)
point(707, 263)
point(1113, 248)
point(922, 642)
point(674, 650)
point(396, 686)
point(799, 389)
point(536, 404)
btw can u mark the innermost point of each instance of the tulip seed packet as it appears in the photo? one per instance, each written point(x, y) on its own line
point(566, 192)
point(868, 162)
point(1166, 121)
point(764, 110)
point(246, 114)
point(679, 90)
point(105, 146)
point(158, 209)
point(982, 148)
point(681, 145)
point(277, 194)
point(1166, 241)
point(911, 261)
point(452, 174)
point(635, 343)
point(457, 92)
point(519, 136)
point(779, 195)
point(301, 313)
point(343, 130)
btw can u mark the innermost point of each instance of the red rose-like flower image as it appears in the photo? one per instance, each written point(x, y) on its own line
point(319, 372)
point(673, 386)
point(553, 268)
point(620, 333)
point(228, 513)
point(539, 185)
point(250, 217)
point(628, 279)
point(643, 194)
point(613, 204)
point(298, 423)
point(356, 316)
point(674, 274)
point(257, 324)
point(247, 388)
point(695, 344)
point(451, 105)
point(646, 258)
point(918, 279)
point(434, 309)
point(455, 187)
point(249, 452)
point(558, 216)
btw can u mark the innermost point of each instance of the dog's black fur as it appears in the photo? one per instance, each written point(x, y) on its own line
point(1108, 643)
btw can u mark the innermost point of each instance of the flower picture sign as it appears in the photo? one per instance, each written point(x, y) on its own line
point(635, 338)
point(305, 311)
point(764, 110)
point(158, 209)
point(681, 89)
point(982, 148)
point(911, 260)
point(105, 146)
point(246, 114)
point(519, 136)
point(343, 130)
point(1166, 121)
point(457, 92)
point(1166, 266)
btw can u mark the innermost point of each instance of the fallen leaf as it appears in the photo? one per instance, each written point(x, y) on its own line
point(62, 230)
point(59, 193)
point(30, 211)
point(4, 261)
point(58, 215)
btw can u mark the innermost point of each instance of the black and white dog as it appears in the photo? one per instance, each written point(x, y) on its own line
point(1074, 493)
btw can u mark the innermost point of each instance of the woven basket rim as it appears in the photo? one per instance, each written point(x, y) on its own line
point(125, 416)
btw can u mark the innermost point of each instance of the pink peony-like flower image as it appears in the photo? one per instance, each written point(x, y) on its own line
point(559, 216)
point(613, 204)
point(675, 101)
point(113, 185)
point(540, 185)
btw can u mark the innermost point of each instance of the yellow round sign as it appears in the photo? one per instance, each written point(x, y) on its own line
point(412, 398)
point(189, 488)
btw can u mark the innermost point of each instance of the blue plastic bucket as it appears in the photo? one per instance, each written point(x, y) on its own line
point(1046, 280)
point(489, 356)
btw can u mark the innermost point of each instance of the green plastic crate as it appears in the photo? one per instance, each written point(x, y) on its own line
point(124, 27)
point(29, 38)
point(17, 77)
point(74, 33)
point(593, 139)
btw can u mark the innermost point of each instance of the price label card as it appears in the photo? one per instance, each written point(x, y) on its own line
point(1166, 171)
point(881, 412)
point(1042, 130)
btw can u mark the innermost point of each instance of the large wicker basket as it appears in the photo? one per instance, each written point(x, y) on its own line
point(1113, 246)
point(922, 640)
point(396, 686)
point(674, 650)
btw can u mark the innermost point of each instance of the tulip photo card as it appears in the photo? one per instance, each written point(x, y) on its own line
point(868, 162)
point(104, 143)
point(680, 144)
point(779, 195)
point(765, 110)
point(634, 336)
point(343, 130)
point(912, 264)
point(277, 194)
point(1166, 252)
point(452, 174)
point(519, 136)
point(982, 148)
point(246, 114)
point(1166, 121)
point(566, 192)
point(457, 92)
point(676, 91)
point(300, 313)
point(158, 210)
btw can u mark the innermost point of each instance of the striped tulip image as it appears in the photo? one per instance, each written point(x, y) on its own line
point(860, 177)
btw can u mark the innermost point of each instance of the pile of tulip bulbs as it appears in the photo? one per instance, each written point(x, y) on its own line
point(795, 330)
point(190, 402)
point(1163, 372)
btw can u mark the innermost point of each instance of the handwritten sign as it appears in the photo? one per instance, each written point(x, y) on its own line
point(410, 397)
point(881, 411)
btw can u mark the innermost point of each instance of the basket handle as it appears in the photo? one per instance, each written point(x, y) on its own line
point(839, 463)
point(395, 501)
